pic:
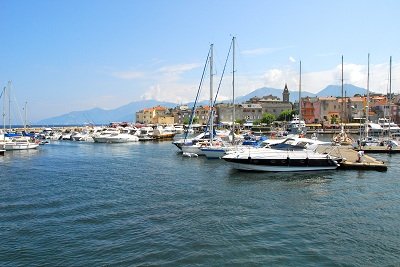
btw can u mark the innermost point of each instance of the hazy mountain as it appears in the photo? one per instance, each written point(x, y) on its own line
point(336, 90)
point(102, 116)
point(264, 91)
point(127, 112)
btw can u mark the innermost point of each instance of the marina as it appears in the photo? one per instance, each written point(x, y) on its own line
point(80, 203)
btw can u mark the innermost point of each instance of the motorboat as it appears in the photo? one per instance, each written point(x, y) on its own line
point(290, 155)
point(116, 135)
point(145, 133)
point(296, 126)
point(388, 125)
point(164, 133)
point(20, 143)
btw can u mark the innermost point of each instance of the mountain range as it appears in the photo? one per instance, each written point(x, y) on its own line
point(128, 112)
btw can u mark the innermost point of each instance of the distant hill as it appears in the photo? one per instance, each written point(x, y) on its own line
point(102, 116)
point(264, 91)
point(336, 90)
point(127, 112)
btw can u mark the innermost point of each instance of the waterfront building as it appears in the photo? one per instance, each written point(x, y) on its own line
point(154, 115)
point(272, 104)
point(181, 114)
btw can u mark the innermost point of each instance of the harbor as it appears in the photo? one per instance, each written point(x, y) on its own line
point(74, 202)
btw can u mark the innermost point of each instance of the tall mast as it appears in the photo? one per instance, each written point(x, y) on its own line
point(25, 120)
point(367, 106)
point(342, 115)
point(9, 104)
point(233, 89)
point(390, 93)
point(300, 96)
point(211, 95)
point(4, 108)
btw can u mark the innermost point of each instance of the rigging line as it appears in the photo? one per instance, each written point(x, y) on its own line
point(197, 95)
point(220, 82)
point(2, 92)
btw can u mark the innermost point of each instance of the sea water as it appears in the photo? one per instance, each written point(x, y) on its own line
point(143, 204)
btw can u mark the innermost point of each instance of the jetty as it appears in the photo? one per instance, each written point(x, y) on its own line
point(379, 149)
point(351, 159)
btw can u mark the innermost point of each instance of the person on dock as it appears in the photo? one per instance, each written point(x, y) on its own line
point(360, 155)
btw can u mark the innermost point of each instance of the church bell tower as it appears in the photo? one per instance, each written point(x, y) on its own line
point(285, 94)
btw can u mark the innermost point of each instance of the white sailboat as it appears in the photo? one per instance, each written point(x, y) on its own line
point(217, 149)
point(342, 138)
point(195, 147)
point(297, 125)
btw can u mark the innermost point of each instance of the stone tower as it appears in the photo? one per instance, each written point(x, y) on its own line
point(285, 94)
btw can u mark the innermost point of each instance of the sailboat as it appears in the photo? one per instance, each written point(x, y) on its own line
point(194, 147)
point(297, 125)
point(342, 138)
point(218, 149)
point(15, 141)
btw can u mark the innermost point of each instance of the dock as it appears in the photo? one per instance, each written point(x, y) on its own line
point(350, 159)
point(379, 149)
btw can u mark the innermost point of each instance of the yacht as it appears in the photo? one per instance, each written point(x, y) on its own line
point(296, 126)
point(386, 125)
point(20, 143)
point(116, 135)
point(290, 155)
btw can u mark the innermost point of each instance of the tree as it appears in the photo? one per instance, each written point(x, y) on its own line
point(186, 120)
point(240, 121)
point(268, 118)
point(286, 115)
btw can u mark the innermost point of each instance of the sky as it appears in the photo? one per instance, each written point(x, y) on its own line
point(73, 55)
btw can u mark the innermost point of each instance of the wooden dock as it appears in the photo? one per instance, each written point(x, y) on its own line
point(350, 159)
point(379, 149)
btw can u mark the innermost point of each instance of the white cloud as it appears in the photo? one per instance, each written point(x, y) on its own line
point(291, 59)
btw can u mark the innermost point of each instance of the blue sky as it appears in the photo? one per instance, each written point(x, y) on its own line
point(64, 56)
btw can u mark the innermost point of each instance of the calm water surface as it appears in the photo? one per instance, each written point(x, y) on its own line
point(142, 204)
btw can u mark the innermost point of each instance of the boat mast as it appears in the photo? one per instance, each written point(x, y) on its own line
point(299, 127)
point(4, 109)
point(300, 93)
point(25, 120)
point(342, 115)
point(367, 106)
point(9, 104)
point(233, 89)
point(390, 94)
point(211, 95)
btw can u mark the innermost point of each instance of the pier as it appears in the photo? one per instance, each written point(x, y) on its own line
point(350, 159)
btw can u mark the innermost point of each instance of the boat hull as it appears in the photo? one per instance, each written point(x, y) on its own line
point(279, 163)
point(271, 168)
point(8, 147)
point(214, 153)
point(192, 149)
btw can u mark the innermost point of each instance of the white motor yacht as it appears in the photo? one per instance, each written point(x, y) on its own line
point(290, 155)
point(20, 143)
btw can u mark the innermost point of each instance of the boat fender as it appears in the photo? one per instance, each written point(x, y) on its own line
point(249, 158)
